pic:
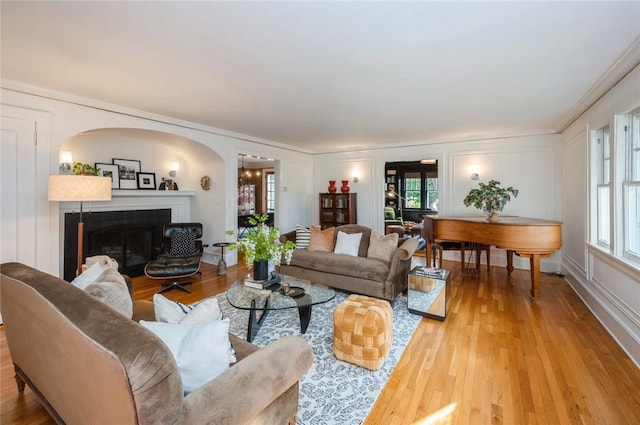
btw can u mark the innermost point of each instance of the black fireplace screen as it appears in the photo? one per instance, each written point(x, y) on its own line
point(127, 236)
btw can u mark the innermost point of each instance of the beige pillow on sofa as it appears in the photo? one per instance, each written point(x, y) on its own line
point(321, 240)
point(111, 288)
point(381, 246)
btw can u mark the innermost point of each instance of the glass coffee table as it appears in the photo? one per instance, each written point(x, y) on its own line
point(302, 295)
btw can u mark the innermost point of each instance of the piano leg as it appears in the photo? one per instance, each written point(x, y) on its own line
point(534, 264)
point(509, 261)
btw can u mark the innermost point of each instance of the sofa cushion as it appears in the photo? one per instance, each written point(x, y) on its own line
point(355, 228)
point(303, 237)
point(321, 240)
point(207, 310)
point(382, 246)
point(347, 244)
point(111, 288)
point(360, 267)
point(200, 350)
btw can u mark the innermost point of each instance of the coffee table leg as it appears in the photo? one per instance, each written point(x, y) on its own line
point(305, 317)
point(254, 325)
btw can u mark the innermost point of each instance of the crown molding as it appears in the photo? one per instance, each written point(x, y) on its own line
point(629, 60)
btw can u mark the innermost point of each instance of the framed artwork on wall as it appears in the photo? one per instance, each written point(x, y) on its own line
point(127, 169)
point(109, 170)
point(146, 181)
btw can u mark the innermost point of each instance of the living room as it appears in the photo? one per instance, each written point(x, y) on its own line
point(550, 167)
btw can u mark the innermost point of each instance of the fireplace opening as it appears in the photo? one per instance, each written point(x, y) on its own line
point(129, 237)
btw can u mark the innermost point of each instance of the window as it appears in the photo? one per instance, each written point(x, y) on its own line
point(615, 187)
point(631, 186)
point(271, 192)
point(603, 190)
point(413, 190)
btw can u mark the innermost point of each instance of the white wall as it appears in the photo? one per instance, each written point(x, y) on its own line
point(528, 163)
point(609, 286)
point(201, 150)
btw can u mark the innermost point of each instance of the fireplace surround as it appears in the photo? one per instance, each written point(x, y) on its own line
point(128, 236)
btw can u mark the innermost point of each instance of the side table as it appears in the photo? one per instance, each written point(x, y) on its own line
point(222, 265)
point(429, 292)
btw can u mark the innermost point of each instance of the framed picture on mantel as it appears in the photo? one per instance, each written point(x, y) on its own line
point(146, 181)
point(127, 169)
point(109, 170)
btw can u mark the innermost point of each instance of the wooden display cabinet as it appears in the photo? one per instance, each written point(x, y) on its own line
point(337, 209)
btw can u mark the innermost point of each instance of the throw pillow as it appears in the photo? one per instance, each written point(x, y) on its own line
point(170, 311)
point(201, 351)
point(175, 312)
point(347, 243)
point(321, 240)
point(104, 260)
point(88, 276)
point(111, 288)
point(183, 243)
point(381, 246)
point(303, 236)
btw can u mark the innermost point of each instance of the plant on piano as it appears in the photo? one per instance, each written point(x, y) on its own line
point(490, 197)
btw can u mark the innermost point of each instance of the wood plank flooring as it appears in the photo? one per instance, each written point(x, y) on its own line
point(498, 358)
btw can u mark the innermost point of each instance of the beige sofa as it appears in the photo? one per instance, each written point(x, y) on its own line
point(361, 275)
point(92, 365)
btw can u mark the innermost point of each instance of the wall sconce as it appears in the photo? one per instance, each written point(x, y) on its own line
point(65, 162)
point(175, 167)
point(355, 178)
point(474, 172)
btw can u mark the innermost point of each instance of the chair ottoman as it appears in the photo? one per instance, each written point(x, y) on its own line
point(362, 331)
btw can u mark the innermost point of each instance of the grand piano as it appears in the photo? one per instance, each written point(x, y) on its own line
point(526, 237)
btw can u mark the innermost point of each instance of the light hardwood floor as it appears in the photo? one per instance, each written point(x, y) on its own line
point(498, 358)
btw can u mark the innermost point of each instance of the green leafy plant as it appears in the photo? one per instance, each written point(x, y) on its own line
point(262, 242)
point(490, 197)
point(85, 169)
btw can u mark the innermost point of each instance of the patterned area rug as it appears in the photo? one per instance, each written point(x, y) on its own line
point(332, 391)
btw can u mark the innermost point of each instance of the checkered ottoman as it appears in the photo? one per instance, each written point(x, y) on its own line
point(362, 331)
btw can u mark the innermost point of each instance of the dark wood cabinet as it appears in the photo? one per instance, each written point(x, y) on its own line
point(337, 209)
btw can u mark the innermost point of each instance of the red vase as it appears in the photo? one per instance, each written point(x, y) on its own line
point(332, 186)
point(345, 186)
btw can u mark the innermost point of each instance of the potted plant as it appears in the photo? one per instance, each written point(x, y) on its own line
point(490, 198)
point(260, 245)
point(85, 169)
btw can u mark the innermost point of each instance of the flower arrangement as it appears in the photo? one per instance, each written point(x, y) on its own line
point(490, 197)
point(262, 243)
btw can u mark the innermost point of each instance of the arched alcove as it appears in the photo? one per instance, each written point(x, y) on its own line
point(156, 151)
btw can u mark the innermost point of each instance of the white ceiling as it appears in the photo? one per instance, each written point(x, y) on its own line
point(328, 76)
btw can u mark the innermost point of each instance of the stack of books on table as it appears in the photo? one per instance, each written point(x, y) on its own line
point(262, 284)
point(430, 272)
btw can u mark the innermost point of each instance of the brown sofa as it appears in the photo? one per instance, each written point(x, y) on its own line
point(92, 365)
point(361, 275)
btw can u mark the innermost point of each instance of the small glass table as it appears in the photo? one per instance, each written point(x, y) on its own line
point(244, 297)
point(429, 292)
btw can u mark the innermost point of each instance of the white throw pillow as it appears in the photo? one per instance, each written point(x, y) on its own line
point(201, 351)
point(347, 243)
point(88, 276)
point(303, 237)
point(170, 311)
point(175, 312)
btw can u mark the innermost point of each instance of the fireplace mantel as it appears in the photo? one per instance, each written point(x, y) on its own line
point(178, 200)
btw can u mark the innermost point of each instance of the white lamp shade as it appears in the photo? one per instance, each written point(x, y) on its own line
point(66, 157)
point(79, 188)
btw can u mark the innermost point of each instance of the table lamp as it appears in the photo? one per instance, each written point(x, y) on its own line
point(79, 188)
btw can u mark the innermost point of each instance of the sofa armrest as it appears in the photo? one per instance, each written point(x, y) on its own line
point(247, 388)
point(401, 263)
point(289, 236)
